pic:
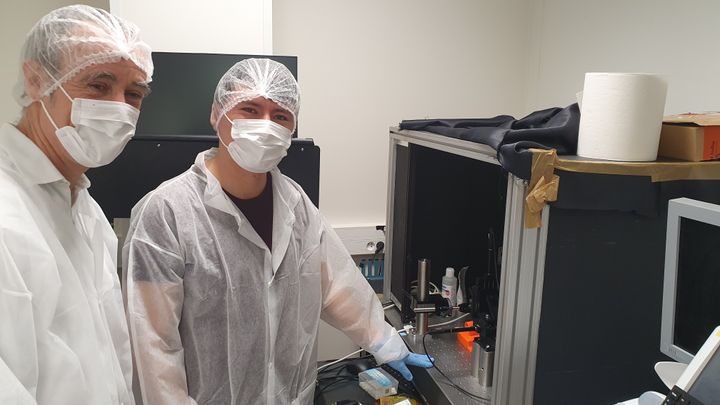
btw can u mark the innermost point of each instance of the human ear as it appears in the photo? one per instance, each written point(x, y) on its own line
point(33, 79)
point(213, 117)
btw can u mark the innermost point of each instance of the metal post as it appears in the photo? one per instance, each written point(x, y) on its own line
point(422, 318)
point(483, 360)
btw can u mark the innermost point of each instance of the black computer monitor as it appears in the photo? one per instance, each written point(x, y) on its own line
point(182, 91)
point(691, 304)
point(147, 161)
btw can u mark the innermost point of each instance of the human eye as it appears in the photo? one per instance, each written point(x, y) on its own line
point(99, 87)
point(134, 95)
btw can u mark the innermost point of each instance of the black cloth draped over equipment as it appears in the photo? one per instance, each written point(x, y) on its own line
point(553, 128)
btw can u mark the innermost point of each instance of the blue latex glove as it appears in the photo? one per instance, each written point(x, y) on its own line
point(412, 359)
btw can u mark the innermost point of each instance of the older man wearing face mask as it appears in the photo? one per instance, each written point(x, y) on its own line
point(231, 267)
point(63, 334)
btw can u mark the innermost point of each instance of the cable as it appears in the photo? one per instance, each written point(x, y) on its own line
point(323, 389)
point(457, 387)
point(332, 377)
point(495, 259)
point(379, 247)
point(452, 330)
point(340, 359)
point(351, 354)
point(340, 366)
point(446, 377)
point(449, 322)
point(436, 290)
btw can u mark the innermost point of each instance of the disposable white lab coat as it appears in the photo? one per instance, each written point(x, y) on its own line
point(63, 334)
point(217, 318)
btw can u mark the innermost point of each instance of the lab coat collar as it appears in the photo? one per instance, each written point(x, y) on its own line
point(31, 162)
point(285, 199)
point(213, 195)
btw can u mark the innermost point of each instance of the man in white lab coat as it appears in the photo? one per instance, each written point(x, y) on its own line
point(63, 333)
point(230, 266)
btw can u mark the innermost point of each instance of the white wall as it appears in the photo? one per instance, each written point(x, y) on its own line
point(202, 26)
point(16, 19)
point(367, 65)
point(364, 66)
point(212, 26)
point(675, 38)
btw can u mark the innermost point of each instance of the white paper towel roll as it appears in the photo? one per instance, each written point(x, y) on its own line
point(621, 116)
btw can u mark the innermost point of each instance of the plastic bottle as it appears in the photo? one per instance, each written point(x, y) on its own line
point(449, 286)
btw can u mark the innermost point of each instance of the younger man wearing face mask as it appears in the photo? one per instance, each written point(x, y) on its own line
point(63, 334)
point(230, 266)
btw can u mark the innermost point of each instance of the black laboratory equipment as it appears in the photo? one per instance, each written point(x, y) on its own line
point(147, 161)
point(450, 210)
point(580, 297)
point(456, 202)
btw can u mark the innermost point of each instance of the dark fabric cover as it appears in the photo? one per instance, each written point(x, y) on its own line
point(553, 128)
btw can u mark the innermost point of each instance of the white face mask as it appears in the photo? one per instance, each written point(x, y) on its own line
point(258, 145)
point(102, 129)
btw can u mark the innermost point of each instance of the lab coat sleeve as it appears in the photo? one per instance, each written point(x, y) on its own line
point(155, 298)
point(350, 304)
point(18, 356)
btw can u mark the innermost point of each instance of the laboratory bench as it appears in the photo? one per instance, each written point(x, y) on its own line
point(431, 387)
point(451, 358)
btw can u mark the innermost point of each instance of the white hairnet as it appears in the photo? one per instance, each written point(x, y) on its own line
point(252, 78)
point(70, 39)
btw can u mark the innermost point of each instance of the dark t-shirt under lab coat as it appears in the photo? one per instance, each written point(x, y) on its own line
point(259, 211)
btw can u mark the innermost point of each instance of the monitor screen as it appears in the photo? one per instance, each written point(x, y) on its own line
point(697, 305)
point(148, 161)
point(182, 91)
point(691, 289)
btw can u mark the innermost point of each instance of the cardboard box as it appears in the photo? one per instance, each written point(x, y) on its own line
point(693, 137)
